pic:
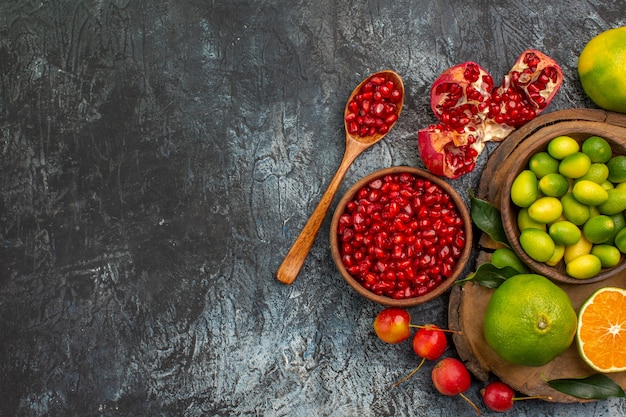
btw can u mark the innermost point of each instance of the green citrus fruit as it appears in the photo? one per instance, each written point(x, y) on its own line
point(502, 257)
point(553, 185)
point(524, 189)
point(597, 173)
point(615, 203)
point(609, 255)
point(543, 164)
point(584, 266)
point(537, 244)
point(601, 69)
point(575, 165)
point(607, 185)
point(564, 233)
point(559, 252)
point(529, 320)
point(619, 221)
point(597, 148)
point(562, 146)
point(599, 229)
point(589, 193)
point(545, 209)
point(617, 168)
point(574, 211)
point(525, 222)
point(620, 240)
point(582, 247)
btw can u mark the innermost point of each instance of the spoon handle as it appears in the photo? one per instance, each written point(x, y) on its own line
point(289, 269)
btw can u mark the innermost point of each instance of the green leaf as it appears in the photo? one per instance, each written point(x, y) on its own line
point(594, 387)
point(489, 275)
point(487, 218)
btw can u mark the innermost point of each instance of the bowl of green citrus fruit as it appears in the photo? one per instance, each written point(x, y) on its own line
point(563, 204)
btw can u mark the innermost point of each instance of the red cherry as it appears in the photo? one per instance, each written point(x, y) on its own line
point(429, 342)
point(392, 325)
point(451, 377)
point(499, 397)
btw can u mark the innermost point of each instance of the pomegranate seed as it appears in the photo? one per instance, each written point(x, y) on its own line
point(396, 95)
point(402, 236)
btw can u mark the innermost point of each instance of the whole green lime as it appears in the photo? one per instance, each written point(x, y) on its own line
point(503, 257)
point(524, 189)
point(537, 244)
point(617, 168)
point(529, 320)
point(597, 148)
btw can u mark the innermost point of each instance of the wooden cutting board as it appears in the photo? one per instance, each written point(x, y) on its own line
point(468, 303)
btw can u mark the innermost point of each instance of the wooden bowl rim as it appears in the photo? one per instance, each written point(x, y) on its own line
point(445, 285)
point(579, 130)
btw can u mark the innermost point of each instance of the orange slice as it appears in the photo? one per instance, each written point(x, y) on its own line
point(601, 335)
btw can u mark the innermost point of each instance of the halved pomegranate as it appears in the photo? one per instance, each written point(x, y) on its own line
point(450, 152)
point(526, 90)
point(461, 95)
point(472, 111)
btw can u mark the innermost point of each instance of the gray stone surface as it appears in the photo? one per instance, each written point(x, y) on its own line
point(157, 160)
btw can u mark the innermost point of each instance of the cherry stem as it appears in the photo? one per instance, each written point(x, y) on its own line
point(431, 327)
point(471, 403)
point(536, 397)
point(406, 378)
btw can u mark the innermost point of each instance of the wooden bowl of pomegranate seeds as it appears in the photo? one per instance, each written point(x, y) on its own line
point(401, 236)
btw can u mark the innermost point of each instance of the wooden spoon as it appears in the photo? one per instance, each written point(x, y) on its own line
point(355, 145)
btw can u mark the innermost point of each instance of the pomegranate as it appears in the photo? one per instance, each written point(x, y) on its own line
point(472, 111)
point(375, 108)
point(526, 90)
point(401, 236)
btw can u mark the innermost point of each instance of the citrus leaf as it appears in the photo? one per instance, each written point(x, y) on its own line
point(489, 275)
point(487, 218)
point(594, 387)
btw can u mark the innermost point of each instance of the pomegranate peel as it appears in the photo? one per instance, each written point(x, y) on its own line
point(450, 152)
point(461, 95)
point(471, 111)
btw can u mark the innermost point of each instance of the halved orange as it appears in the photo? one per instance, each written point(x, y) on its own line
point(601, 335)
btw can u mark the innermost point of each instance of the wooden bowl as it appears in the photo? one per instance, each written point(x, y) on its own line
point(433, 293)
point(537, 142)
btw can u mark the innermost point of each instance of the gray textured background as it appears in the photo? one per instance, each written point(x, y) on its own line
point(157, 160)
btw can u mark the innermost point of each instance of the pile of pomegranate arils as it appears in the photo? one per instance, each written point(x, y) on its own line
point(401, 236)
point(374, 109)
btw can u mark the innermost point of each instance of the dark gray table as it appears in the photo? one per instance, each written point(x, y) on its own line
point(157, 161)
